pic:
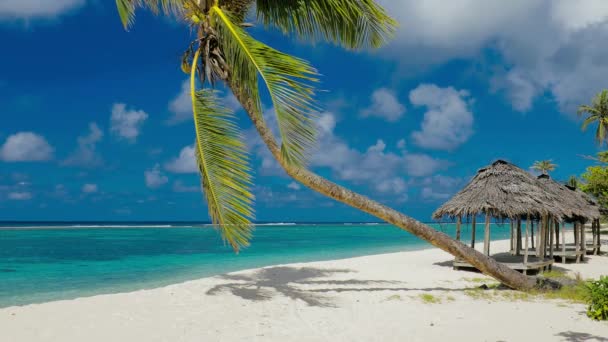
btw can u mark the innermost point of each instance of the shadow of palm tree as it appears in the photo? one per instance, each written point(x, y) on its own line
point(573, 336)
point(267, 282)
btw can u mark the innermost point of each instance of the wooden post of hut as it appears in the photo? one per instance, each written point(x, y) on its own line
point(473, 226)
point(539, 240)
point(539, 237)
point(583, 241)
point(577, 244)
point(556, 235)
point(512, 239)
point(526, 246)
point(598, 237)
point(551, 236)
point(532, 233)
point(563, 243)
point(518, 243)
point(458, 222)
point(595, 236)
point(486, 239)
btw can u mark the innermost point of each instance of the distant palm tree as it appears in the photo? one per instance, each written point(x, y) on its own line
point(544, 166)
point(572, 182)
point(597, 112)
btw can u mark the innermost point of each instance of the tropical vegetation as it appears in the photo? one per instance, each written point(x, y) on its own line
point(597, 112)
point(573, 182)
point(597, 297)
point(544, 166)
point(225, 52)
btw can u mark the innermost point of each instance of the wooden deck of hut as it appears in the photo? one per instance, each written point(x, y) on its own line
point(505, 191)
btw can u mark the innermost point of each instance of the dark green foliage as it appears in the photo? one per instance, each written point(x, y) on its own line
point(597, 297)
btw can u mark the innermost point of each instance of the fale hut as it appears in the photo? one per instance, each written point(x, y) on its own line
point(504, 191)
point(579, 210)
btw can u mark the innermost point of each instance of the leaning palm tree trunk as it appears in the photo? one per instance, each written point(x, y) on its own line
point(438, 239)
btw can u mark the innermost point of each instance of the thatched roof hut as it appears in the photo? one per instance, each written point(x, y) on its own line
point(578, 206)
point(503, 190)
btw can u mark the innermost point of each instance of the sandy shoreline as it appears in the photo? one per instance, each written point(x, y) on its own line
point(370, 298)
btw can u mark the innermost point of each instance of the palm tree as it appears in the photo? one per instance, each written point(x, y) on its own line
point(544, 166)
point(597, 112)
point(225, 52)
point(572, 182)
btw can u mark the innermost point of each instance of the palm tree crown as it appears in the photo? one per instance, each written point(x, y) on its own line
point(597, 112)
point(224, 51)
point(544, 166)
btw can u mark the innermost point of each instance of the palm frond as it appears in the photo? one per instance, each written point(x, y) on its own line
point(353, 24)
point(126, 8)
point(586, 109)
point(224, 166)
point(126, 11)
point(589, 120)
point(288, 80)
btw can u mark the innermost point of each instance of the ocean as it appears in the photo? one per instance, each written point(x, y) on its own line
point(51, 261)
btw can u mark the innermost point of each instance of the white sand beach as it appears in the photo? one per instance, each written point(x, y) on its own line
point(371, 298)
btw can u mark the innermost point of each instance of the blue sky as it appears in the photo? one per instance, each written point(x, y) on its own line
point(94, 127)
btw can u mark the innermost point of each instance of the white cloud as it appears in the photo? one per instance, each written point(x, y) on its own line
point(32, 9)
point(26, 147)
point(377, 167)
point(90, 188)
point(20, 196)
point(86, 154)
point(418, 164)
point(184, 163)
point(127, 123)
point(550, 46)
point(448, 121)
point(181, 106)
point(294, 186)
point(384, 105)
point(155, 178)
point(430, 194)
point(401, 144)
point(179, 186)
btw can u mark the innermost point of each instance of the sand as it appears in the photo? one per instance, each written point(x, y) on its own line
point(371, 298)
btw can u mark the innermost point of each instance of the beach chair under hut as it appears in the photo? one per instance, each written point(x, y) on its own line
point(578, 211)
point(502, 191)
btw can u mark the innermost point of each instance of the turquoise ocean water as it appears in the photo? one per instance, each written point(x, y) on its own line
point(45, 262)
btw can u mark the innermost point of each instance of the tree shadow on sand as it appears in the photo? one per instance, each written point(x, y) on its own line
point(264, 284)
point(573, 336)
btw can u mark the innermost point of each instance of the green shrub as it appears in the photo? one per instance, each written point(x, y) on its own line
point(597, 297)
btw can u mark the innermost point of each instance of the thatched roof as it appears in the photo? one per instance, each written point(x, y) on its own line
point(578, 206)
point(504, 191)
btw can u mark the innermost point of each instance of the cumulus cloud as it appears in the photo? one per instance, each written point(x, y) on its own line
point(294, 186)
point(550, 46)
point(155, 178)
point(184, 163)
point(36, 9)
point(125, 123)
point(181, 106)
point(26, 147)
point(86, 154)
point(448, 121)
point(90, 188)
point(383, 170)
point(385, 104)
point(20, 196)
